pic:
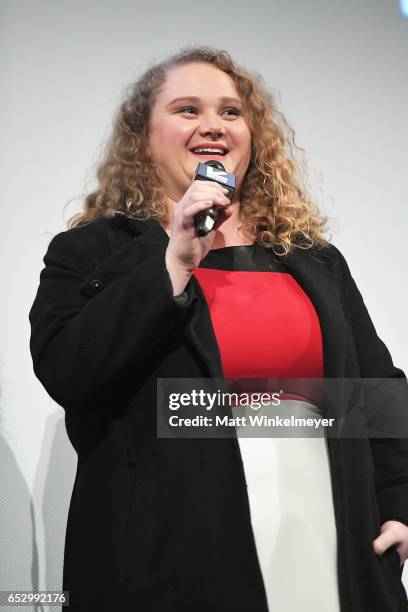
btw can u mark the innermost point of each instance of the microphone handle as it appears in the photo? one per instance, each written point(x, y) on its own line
point(214, 170)
point(205, 220)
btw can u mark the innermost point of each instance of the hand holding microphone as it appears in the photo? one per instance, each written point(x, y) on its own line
point(203, 207)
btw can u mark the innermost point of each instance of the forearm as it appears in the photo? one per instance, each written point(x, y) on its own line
point(179, 276)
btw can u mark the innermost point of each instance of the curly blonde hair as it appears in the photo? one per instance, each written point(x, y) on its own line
point(275, 207)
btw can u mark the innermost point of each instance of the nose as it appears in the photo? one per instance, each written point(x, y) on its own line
point(211, 125)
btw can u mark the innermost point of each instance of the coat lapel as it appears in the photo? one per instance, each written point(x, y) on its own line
point(315, 272)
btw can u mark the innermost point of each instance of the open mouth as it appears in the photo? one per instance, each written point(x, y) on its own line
point(209, 155)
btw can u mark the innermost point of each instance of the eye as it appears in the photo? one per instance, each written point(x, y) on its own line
point(186, 109)
point(191, 110)
point(234, 111)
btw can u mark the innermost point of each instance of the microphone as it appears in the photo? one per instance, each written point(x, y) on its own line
point(212, 170)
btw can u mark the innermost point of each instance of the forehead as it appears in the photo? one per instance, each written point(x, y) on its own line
point(197, 79)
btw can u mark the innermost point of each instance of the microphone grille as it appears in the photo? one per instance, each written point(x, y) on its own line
point(215, 164)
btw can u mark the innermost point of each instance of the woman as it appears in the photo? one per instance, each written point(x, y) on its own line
point(129, 295)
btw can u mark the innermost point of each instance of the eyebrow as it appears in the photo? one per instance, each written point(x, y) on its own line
point(225, 99)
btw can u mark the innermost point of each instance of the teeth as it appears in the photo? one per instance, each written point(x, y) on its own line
point(219, 151)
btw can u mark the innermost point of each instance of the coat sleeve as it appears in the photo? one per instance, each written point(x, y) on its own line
point(94, 323)
point(390, 455)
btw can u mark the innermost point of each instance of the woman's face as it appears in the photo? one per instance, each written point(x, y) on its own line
point(197, 105)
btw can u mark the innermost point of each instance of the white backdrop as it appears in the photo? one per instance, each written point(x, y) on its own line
point(341, 70)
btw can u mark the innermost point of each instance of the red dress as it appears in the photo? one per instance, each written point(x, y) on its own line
point(267, 329)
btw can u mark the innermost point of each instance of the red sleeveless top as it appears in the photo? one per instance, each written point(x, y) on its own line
point(265, 324)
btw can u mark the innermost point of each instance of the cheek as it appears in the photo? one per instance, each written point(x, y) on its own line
point(245, 149)
point(161, 136)
point(174, 134)
point(243, 138)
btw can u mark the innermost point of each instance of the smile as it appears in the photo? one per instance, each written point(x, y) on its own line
point(215, 153)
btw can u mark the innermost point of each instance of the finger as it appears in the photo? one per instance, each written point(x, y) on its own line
point(204, 186)
point(384, 541)
point(200, 196)
point(192, 209)
point(187, 218)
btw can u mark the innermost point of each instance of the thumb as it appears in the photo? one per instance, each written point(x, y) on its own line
point(384, 541)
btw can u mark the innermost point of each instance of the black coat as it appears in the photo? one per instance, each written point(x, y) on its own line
point(163, 525)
